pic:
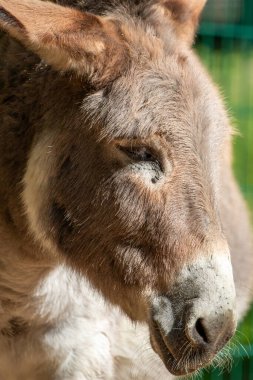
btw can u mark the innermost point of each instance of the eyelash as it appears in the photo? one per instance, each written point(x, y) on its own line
point(138, 153)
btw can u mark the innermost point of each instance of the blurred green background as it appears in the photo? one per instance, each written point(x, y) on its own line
point(225, 44)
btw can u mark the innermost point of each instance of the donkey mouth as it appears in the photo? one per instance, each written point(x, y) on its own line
point(177, 366)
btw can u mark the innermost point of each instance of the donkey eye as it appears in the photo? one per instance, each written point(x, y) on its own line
point(138, 153)
point(145, 161)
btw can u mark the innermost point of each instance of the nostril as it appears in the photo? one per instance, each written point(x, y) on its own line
point(200, 331)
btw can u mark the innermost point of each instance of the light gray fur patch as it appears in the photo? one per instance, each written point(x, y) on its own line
point(163, 313)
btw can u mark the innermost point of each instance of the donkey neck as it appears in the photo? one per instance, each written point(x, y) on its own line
point(29, 90)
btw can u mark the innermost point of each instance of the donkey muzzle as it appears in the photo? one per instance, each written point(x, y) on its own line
point(192, 322)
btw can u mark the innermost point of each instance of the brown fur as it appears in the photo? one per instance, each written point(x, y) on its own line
point(71, 40)
point(175, 17)
point(113, 81)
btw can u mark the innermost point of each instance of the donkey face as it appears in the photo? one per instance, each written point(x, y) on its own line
point(123, 176)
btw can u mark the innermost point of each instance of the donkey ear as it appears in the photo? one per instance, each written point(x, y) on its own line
point(67, 39)
point(181, 15)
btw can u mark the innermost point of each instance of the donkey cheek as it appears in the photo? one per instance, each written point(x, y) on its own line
point(62, 225)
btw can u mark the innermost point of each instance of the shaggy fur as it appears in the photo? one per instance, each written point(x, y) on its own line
point(116, 189)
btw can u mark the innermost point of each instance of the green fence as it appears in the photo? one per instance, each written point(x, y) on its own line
point(225, 44)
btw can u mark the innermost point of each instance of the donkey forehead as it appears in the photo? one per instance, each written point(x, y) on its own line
point(167, 96)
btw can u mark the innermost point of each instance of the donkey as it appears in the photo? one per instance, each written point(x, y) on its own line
point(117, 198)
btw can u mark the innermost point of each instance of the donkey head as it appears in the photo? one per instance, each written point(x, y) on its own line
point(123, 177)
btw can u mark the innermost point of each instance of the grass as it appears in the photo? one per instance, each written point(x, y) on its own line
point(230, 63)
point(232, 68)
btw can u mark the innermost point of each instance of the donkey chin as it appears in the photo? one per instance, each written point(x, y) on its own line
point(193, 322)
